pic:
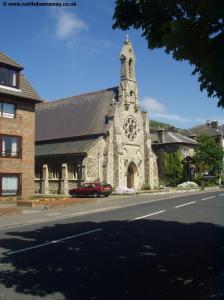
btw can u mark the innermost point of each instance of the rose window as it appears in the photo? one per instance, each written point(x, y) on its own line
point(131, 128)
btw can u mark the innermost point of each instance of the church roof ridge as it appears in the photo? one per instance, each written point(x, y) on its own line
point(81, 95)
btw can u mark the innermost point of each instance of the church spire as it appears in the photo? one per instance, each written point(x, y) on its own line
point(128, 77)
point(127, 58)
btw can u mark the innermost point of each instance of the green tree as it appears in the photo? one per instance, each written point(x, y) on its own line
point(173, 168)
point(209, 156)
point(155, 125)
point(191, 30)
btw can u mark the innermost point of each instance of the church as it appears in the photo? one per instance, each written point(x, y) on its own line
point(98, 136)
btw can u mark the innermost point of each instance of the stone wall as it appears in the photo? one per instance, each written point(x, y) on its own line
point(93, 164)
point(137, 152)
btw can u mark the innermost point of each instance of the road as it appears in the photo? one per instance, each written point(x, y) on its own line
point(166, 249)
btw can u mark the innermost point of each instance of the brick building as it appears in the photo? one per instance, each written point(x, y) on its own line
point(17, 130)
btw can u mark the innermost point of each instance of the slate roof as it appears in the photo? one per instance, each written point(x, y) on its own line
point(186, 132)
point(68, 147)
point(9, 61)
point(205, 129)
point(173, 138)
point(75, 116)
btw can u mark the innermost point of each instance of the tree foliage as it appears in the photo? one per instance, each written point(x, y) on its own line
point(155, 125)
point(173, 168)
point(191, 30)
point(209, 156)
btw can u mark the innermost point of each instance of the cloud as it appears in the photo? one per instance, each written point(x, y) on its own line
point(158, 110)
point(152, 105)
point(67, 27)
point(68, 24)
point(172, 117)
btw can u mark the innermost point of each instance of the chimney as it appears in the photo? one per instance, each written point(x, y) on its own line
point(172, 129)
point(208, 123)
point(193, 137)
point(161, 135)
point(214, 124)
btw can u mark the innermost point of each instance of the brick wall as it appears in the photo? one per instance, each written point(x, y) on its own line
point(23, 125)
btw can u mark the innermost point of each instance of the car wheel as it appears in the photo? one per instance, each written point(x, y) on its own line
point(106, 195)
point(74, 195)
point(95, 195)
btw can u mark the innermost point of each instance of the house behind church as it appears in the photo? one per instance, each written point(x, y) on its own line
point(102, 135)
point(170, 141)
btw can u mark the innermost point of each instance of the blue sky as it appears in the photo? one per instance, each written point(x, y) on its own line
point(69, 51)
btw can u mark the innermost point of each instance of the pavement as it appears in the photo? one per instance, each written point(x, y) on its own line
point(9, 209)
point(16, 207)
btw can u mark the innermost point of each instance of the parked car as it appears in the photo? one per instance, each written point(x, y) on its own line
point(94, 189)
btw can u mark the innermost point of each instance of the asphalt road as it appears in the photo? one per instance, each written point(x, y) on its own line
point(165, 249)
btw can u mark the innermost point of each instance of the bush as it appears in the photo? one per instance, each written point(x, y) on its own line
point(124, 190)
point(206, 182)
point(173, 168)
point(187, 185)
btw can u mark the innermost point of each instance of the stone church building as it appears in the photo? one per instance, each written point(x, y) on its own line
point(102, 135)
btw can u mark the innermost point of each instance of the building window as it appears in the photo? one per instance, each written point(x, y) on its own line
point(7, 110)
point(56, 170)
point(77, 170)
point(10, 146)
point(9, 184)
point(8, 77)
point(38, 170)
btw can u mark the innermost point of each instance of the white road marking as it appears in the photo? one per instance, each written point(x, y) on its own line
point(221, 195)
point(54, 242)
point(185, 204)
point(149, 215)
point(207, 198)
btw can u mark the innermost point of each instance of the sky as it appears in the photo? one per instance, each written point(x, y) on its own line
point(71, 50)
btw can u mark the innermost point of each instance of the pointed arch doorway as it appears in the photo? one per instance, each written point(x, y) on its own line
point(132, 176)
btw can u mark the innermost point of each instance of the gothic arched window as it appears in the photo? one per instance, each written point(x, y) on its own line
point(123, 66)
point(132, 96)
point(131, 69)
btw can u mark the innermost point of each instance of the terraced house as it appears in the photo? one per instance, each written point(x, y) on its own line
point(17, 130)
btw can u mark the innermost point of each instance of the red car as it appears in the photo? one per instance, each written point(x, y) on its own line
point(94, 189)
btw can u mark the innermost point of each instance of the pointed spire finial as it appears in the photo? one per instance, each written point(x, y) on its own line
point(127, 38)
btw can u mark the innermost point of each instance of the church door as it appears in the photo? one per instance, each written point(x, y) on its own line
point(131, 176)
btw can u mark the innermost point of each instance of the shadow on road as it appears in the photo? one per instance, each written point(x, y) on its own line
point(145, 259)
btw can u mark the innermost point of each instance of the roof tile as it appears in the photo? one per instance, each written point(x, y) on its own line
point(25, 91)
point(9, 61)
